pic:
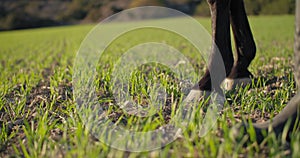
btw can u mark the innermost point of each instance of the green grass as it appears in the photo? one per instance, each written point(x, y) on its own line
point(38, 115)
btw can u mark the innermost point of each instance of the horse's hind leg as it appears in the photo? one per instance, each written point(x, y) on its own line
point(244, 44)
point(291, 113)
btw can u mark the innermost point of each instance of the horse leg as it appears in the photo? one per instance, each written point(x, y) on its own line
point(289, 113)
point(245, 46)
point(292, 111)
point(220, 16)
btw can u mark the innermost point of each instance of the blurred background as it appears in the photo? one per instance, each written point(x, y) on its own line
point(22, 14)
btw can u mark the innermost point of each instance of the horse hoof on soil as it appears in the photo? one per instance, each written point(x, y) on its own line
point(231, 84)
point(195, 96)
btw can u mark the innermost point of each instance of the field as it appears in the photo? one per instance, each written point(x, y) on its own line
point(39, 118)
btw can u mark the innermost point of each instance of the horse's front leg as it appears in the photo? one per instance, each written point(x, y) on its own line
point(220, 16)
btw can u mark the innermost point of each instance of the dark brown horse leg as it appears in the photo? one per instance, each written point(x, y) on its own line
point(221, 37)
point(289, 113)
point(292, 111)
point(244, 42)
point(221, 44)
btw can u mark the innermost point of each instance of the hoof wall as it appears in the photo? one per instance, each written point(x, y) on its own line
point(195, 96)
point(230, 84)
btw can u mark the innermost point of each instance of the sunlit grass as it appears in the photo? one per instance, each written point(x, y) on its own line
point(38, 115)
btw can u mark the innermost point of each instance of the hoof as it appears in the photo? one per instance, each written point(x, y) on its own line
point(195, 96)
point(231, 84)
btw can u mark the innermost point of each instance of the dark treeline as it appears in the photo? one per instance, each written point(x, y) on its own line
point(20, 14)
